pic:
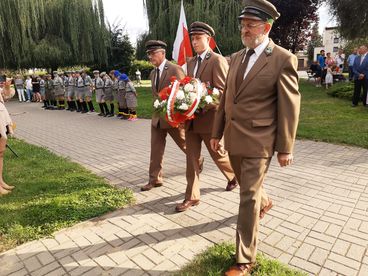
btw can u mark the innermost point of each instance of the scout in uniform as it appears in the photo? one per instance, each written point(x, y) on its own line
point(210, 68)
point(71, 91)
point(258, 115)
point(98, 85)
point(131, 98)
point(58, 84)
point(48, 92)
point(120, 96)
point(108, 91)
point(80, 84)
point(88, 87)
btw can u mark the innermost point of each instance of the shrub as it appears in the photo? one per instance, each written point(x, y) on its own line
point(342, 91)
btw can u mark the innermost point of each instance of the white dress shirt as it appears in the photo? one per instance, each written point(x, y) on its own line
point(161, 67)
point(203, 56)
point(257, 53)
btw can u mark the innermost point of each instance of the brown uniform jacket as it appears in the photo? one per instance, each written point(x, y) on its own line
point(213, 69)
point(170, 70)
point(262, 116)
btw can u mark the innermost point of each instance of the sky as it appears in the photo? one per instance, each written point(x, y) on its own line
point(131, 14)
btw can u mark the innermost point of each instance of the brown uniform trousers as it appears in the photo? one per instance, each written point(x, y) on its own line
point(213, 69)
point(160, 128)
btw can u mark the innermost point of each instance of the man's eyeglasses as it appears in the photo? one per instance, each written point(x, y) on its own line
point(249, 26)
point(152, 53)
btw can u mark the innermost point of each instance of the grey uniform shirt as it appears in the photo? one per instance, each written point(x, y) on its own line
point(99, 83)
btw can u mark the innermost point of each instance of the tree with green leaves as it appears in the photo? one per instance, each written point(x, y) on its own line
point(290, 31)
point(121, 51)
point(51, 33)
point(352, 17)
point(315, 41)
point(293, 28)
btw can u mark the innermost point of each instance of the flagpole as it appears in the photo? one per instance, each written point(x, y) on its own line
point(218, 49)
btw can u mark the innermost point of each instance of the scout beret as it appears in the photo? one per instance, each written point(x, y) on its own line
point(261, 9)
point(96, 72)
point(123, 77)
point(201, 28)
point(152, 45)
point(117, 73)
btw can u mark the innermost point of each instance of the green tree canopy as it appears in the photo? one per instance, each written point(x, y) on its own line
point(352, 17)
point(290, 31)
point(49, 33)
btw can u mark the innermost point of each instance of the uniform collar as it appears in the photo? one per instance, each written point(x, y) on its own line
point(162, 65)
point(203, 55)
point(261, 47)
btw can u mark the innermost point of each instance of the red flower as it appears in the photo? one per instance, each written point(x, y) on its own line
point(164, 93)
point(172, 79)
point(185, 81)
point(209, 91)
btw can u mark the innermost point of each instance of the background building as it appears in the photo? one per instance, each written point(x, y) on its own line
point(332, 42)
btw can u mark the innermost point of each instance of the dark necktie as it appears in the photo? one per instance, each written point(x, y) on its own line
point(199, 62)
point(243, 68)
point(157, 78)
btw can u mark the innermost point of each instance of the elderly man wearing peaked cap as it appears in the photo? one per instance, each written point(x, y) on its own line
point(258, 115)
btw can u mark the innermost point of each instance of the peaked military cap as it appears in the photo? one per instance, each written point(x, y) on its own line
point(198, 27)
point(103, 74)
point(96, 72)
point(55, 72)
point(261, 9)
point(152, 45)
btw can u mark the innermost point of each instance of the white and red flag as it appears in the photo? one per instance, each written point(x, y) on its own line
point(182, 47)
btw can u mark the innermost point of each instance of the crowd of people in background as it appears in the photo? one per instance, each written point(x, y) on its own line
point(327, 69)
point(73, 91)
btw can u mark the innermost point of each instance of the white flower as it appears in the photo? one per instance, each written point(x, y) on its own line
point(208, 99)
point(180, 95)
point(215, 92)
point(188, 87)
point(192, 96)
point(156, 104)
point(183, 106)
point(163, 102)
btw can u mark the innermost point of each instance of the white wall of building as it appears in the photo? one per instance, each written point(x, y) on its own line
point(332, 41)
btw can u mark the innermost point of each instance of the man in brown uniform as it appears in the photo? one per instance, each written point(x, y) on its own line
point(210, 68)
point(258, 115)
point(160, 78)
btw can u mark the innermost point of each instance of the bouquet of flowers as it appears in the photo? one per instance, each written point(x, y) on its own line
point(179, 101)
point(210, 98)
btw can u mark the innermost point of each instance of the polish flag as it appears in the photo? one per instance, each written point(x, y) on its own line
point(182, 47)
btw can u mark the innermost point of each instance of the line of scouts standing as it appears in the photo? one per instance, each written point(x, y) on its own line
point(76, 89)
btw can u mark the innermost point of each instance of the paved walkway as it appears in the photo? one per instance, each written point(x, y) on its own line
point(319, 223)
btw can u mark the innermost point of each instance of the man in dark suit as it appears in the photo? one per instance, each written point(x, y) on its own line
point(258, 115)
point(360, 70)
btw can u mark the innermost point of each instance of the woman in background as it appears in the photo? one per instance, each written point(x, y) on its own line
point(5, 129)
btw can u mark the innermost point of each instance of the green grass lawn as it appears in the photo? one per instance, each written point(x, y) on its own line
point(322, 118)
point(333, 120)
point(51, 193)
point(218, 258)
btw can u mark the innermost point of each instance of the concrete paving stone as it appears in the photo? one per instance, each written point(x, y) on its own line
point(326, 221)
point(363, 270)
point(339, 268)
point(304, 265)
point(32, 264)
point(319, 256)
point(46, 270)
